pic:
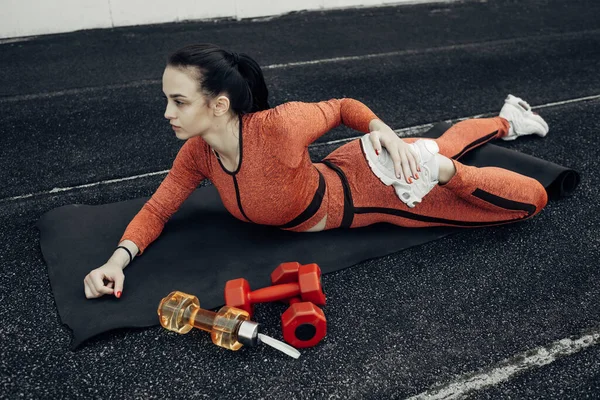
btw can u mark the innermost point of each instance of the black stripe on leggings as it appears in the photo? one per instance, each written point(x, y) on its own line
point(474, 144)
point(348, 203)
point(504, 203)
point(312, 208)
point(480, 194)
point(424, 218)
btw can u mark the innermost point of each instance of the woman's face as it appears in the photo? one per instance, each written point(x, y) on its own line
point(187, 109)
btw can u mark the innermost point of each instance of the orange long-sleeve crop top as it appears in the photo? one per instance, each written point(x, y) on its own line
point(275, 180)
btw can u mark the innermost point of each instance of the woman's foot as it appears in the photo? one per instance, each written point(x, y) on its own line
point(522, 120)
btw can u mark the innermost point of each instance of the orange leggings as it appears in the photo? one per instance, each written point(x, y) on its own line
point(473, 197)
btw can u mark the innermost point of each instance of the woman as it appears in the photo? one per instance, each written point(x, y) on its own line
point(257, 158)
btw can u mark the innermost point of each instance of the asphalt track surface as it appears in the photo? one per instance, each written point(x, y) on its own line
point(87, 107)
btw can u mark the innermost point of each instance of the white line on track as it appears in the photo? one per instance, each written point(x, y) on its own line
point(18, 39)
point(560, 103)
point(149, 82)
point(75, 91)
point(420, 129)
point(402, 132)
point(87, 185)
point(530, 359)
point(463, 46)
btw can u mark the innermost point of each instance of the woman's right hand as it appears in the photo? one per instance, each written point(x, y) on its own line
point(94, 285)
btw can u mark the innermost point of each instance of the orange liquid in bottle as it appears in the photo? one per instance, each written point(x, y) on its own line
point(180, 312)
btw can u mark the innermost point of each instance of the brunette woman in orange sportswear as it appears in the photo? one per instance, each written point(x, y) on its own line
point(257, 157)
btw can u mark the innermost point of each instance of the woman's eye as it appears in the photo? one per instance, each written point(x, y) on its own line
point(176, 101)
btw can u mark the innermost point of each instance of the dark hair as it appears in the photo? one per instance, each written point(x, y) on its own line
point(222, 71)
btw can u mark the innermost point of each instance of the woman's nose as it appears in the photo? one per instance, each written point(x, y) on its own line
point(170, 111)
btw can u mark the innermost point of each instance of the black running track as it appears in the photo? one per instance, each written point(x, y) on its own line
point(87, 107)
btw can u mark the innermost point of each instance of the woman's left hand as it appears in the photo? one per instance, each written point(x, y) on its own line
point(406, 161)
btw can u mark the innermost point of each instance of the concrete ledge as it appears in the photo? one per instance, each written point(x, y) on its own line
point(20, 18)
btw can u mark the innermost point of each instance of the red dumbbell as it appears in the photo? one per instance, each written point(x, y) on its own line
point(303, 323)
point(238, 294)
point(286, 272)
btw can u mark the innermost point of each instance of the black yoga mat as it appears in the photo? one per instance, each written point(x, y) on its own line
point(202, 247)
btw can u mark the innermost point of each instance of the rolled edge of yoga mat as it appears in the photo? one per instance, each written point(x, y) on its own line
point(565, 184)
point(559, 181)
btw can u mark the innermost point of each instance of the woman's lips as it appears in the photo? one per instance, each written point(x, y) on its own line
point(175, 127)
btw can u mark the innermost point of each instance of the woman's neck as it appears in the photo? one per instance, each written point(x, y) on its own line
point(224, 140)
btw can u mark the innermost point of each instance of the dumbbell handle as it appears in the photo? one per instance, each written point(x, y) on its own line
point(274, 293)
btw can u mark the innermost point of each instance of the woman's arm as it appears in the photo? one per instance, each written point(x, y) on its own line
point(147, 225)
point(183, 178)
point(405, 159)
point(377, 125)
point(121, 257)
point(304, 123)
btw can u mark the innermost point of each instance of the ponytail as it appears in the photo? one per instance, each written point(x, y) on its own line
point(220, 71)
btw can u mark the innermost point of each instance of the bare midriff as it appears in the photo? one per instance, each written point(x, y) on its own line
point(319, 226)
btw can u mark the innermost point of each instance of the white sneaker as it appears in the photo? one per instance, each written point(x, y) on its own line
point(383, 167)
point(522, 120)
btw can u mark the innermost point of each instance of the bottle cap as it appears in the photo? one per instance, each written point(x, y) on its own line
point(248, 333)
point(248, 336)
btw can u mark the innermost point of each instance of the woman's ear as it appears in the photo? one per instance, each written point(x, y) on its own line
point(221, 105)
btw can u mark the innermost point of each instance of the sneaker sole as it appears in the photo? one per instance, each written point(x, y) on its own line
point(411, 200)
point(543, 126)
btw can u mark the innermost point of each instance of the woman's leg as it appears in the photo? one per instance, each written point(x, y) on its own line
point(467, 196)
point(468, 135)
point(507, 195)
point(473, 197)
